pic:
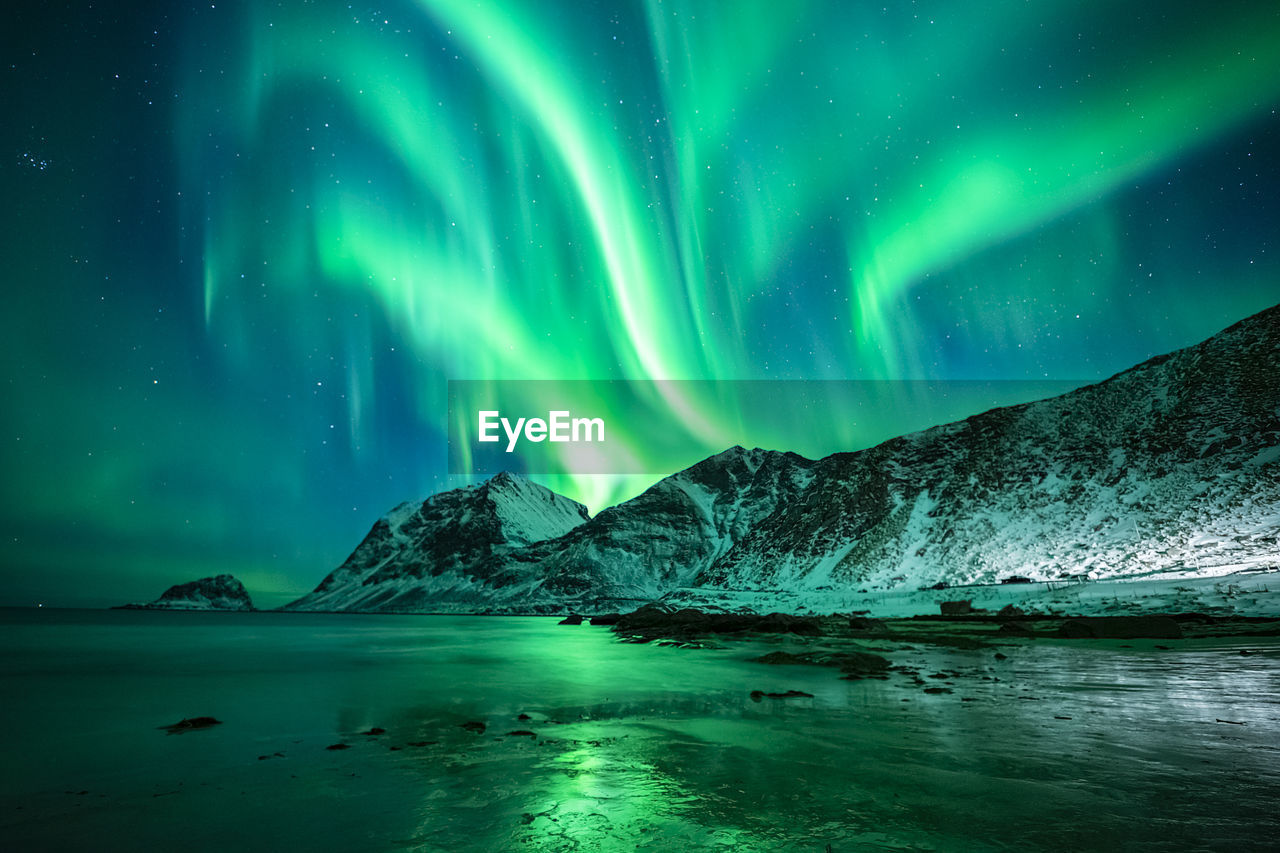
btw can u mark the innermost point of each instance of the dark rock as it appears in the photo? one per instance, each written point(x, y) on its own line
point(524, 717)
point(221, 592)
point(757, 695)
point(957, 608)
point(606, 619)
point(1001, 656)
point(1009, 611)
point(521, 733)
point(1154, 626)
point(865, 624)
point(338, 746)
point(476, 727)
point(851, 663)
point(1017, 629)
point(652, 617)
point(653, 622)
point(571, 619)
point(784, 623)
point(1202, 618)
point(937, 690)
point(860, 663)
point(376, 730)
point(651, 614)
point(191, 724)
point(783, 659)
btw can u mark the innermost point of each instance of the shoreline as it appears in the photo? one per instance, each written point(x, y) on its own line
point(1252, 593)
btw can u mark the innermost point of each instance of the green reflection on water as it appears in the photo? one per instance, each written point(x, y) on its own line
point(634, 747)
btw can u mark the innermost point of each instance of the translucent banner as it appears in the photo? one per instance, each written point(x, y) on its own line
point(656, 427)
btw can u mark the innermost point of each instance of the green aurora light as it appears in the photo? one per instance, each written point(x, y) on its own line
point(354, 208)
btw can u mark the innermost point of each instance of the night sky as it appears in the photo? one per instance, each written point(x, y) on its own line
point(247, 245)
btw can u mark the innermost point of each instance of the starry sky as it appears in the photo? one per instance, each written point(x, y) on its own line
point(247, 245)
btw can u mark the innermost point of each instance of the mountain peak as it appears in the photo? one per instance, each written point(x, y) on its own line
point(447, 542)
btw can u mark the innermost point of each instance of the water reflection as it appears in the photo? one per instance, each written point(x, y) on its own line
point(633, 747)
point(1057, 745)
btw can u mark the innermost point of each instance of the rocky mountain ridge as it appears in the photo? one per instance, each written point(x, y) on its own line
point(1171, 464)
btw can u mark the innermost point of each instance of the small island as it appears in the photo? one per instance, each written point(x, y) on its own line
point(222, 592)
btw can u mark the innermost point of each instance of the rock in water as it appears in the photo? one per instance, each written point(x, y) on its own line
point(1156, 626)
point(222, 592)
point(191, 724)
point(757, 695)
point(957, 608)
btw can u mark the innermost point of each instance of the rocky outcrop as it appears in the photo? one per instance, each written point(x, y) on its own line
point(222, 592)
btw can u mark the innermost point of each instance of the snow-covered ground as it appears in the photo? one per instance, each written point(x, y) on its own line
point(1242, 590)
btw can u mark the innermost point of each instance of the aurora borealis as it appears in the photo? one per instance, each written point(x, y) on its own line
point(247, 245)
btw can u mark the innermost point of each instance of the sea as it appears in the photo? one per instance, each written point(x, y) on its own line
point(445, 733)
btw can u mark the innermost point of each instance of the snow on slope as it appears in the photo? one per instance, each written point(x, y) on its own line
point(436, 552)
point(636, 551)
point(1170, 465)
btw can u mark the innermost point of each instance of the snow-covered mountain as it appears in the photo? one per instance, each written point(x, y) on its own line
point(1172, 465)
point(437, 555)
point(664, 538)
point(222, 592)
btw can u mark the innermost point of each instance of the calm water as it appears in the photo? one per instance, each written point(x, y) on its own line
point(635, 747)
